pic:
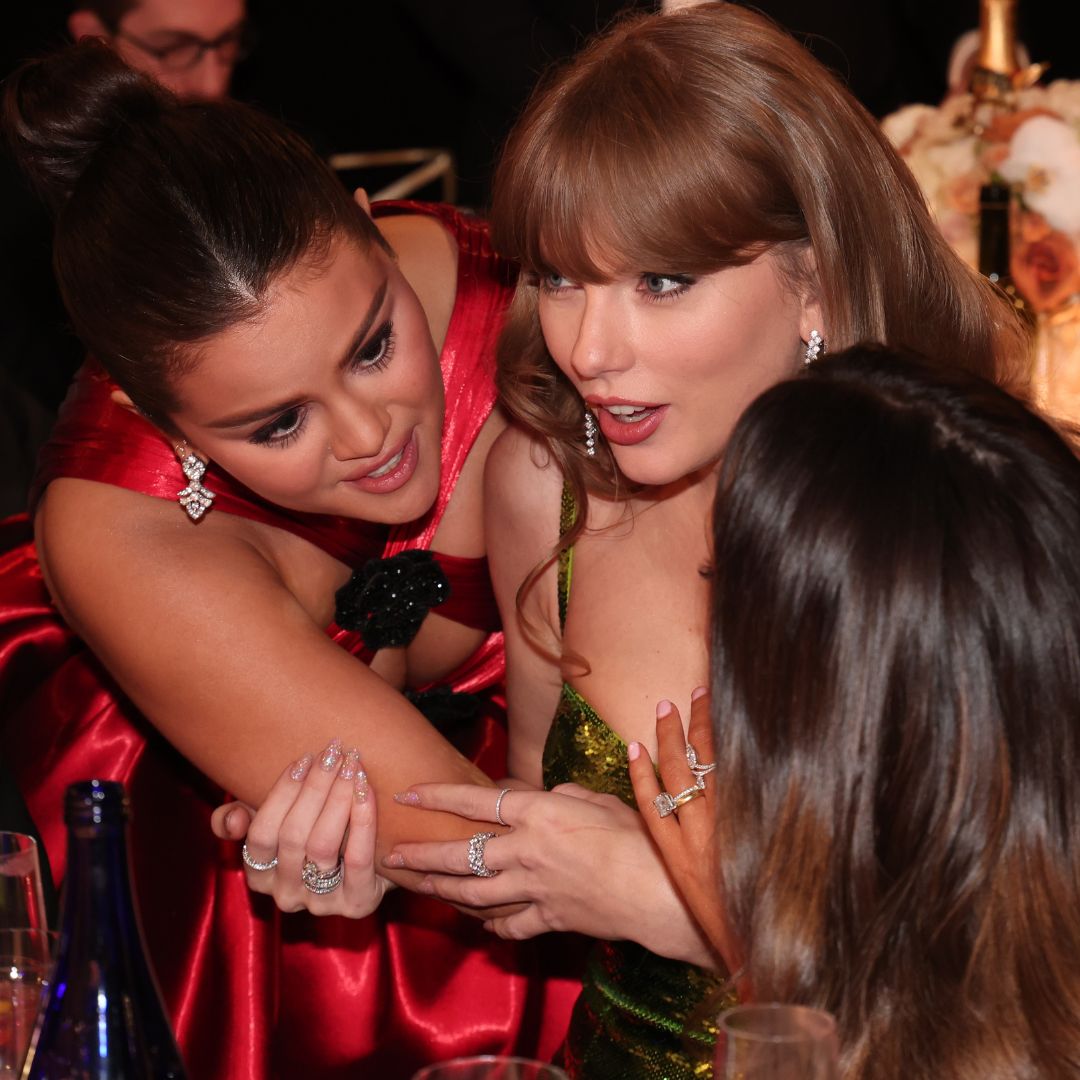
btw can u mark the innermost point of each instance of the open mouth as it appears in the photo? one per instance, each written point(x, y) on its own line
point(625, 425)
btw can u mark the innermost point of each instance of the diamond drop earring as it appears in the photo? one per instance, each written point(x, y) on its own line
point(815, 346)
point(590, 433)
point(195, 499)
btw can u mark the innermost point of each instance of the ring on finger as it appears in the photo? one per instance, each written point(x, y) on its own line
point(252, 863)
point(666, 803)
point(700, 771)
point(319, 881)
point(477, 843)
point(498, 808)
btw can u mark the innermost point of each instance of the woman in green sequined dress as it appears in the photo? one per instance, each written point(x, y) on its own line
point(695, 203)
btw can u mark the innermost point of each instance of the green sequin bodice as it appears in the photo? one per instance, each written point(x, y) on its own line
point(640, 1016)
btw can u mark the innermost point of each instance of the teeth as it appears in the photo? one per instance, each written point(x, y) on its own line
point(391, 464)
point(628, 413)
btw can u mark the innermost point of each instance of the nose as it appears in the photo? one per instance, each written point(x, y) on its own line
point(358, 429)
point(601, 347)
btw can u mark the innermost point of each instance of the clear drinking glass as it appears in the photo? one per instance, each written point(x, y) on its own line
point(776, 1042)
point(21, 900)
point(25, 960)
point(490, 1067)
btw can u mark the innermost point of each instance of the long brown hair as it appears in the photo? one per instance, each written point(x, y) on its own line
point(691, 142)
point(173, 219)
point(896, 687)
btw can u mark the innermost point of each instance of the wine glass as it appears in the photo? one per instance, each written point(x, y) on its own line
point(21, 900)
point(26, 957)
point(490, 1067)
point(776, 1042)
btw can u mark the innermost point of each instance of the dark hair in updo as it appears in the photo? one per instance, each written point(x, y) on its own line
point(173, 219)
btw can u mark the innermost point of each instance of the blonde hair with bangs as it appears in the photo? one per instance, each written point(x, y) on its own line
point(691, 142)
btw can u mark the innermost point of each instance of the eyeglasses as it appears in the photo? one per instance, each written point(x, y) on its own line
point(188, 50)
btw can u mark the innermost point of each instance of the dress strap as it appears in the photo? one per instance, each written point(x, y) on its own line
point(568, 512)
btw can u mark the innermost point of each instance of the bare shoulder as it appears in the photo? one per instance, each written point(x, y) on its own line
point(96, 540)
point(523, 483)
point(428, 257)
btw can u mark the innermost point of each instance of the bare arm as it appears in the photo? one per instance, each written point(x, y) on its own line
point(522, 489)
point(199, 627)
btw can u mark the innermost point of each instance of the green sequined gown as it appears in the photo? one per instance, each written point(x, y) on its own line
point(640, 1016)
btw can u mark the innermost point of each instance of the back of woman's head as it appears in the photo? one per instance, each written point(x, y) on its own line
point(691, 142)
point(172, 220)
point(896, 679)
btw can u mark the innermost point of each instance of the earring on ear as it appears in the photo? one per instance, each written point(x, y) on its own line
point(590, 433)
point(815, 346)
point(195, 499)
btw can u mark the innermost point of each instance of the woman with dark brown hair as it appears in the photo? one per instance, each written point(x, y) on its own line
point(264, 414)
point(892, 832)
point(698, 208)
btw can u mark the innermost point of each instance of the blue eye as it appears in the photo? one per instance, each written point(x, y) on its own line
point(553, 282)
point(666, 285)
point(375, 353)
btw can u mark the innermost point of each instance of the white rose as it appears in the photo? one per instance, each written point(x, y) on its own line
point(1044, 158)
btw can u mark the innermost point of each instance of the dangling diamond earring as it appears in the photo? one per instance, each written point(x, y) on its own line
point(814, 347)
point(590, 433)
point(195, 499)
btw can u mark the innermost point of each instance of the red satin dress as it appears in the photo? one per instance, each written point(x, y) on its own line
point(252, 993)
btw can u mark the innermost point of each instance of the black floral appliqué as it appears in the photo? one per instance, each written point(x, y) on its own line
point(386, 600)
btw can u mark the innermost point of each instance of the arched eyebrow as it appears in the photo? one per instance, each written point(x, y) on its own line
point(358, 339)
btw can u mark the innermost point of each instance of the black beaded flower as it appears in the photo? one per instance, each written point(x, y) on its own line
point(386, 600)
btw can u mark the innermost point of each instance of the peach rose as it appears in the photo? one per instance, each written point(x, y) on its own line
point(1045, 270)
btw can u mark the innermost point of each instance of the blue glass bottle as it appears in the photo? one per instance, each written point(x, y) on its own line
point(102, 1018)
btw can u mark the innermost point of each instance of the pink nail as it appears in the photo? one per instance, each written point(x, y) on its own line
point(407, 798)
point(700, 692)
point(350, 765)
point(360, 786)
point(394, 860)
point(426, 886)
point(633, 751)
point(331, 756)
point(663, 708)
point(299, 770)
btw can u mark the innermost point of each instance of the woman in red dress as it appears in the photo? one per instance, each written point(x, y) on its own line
point(266, 419)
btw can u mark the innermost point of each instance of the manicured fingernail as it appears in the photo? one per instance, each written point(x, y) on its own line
point(360, 785)
point(228, 820)
point(331, 756)
point(299, 770)
point(350, 764)
point(633, 751)
point(426, 886)
point(700, 692)
point(407, 798)
point(663, 708)
point(394, 860)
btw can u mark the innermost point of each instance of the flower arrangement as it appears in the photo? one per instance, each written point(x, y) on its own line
point(1036, 148)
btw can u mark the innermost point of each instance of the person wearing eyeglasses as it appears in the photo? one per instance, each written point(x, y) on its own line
point(189, 46)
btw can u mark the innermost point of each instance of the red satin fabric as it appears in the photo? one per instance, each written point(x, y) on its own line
point(253, 994)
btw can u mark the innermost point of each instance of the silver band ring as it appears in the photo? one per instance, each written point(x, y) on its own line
point(498, 808)
point(254, 864)
point(319, 881)
point(699, 771)
point(669, 804)
point(477, 844)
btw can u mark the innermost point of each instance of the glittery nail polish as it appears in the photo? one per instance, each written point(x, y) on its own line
point(299, 770)
point(360, 785)
point(350, 764)
point(407, 798)
point(331, 756)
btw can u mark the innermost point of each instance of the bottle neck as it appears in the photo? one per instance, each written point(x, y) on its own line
point(98, 907)
point(997, 63)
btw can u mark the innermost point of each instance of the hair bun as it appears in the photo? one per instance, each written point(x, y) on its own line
point(58, 111)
